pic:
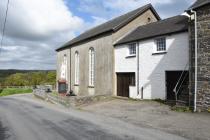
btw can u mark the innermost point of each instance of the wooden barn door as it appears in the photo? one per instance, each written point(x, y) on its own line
point(124, 80)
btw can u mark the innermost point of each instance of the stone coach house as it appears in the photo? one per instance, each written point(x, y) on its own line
point(140, 56)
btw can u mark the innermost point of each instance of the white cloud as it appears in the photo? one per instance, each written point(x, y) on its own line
point(96, 21)
point(125, 5)
point(112, 8)
point(35, 28)
point(40, 18)
point(165, 8)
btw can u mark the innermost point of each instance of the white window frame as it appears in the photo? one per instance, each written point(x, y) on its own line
point(132, 49)
point(91, 67)
point(76, 68)
point(160, 48)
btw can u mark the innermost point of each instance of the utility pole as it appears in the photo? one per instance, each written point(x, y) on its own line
point(4, 26)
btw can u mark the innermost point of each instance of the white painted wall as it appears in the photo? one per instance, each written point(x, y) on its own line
point(133, 92)
point(152, 67)
point(123, 63)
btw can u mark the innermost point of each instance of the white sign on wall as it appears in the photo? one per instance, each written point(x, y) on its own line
point(64, 69)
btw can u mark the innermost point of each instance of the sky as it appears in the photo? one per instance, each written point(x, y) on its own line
point(35, 28)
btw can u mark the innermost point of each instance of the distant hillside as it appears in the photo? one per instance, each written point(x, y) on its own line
point(6, 73)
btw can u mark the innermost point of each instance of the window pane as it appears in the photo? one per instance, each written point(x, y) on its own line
point(132, 49)
point(76, 68)
point(161, 44)
point(91, 67)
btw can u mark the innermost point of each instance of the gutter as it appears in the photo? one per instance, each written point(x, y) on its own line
point(196, 60)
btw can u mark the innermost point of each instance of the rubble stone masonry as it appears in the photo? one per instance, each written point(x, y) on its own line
point(203, 93)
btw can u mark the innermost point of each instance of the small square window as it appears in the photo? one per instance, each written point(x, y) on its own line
point(161, 44)
point(132, 49)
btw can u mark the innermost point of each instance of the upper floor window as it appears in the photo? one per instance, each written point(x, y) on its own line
point(161, 44)
point(91, 66)
point(132, 49)
point(76, 68)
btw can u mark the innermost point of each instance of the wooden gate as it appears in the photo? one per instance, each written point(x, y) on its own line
point(124, 80)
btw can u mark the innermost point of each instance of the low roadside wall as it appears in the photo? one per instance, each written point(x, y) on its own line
point(69, 101)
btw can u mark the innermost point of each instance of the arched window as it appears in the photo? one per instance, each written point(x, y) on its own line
point(76, 68)
point(91, 66)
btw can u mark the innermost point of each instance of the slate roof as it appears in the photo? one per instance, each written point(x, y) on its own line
point(167, 26)
point(198, 4)
point(110, 26)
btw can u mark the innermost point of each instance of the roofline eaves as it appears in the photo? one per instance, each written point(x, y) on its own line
point(137, 40)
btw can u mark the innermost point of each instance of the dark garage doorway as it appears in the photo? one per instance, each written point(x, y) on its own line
point(124, 80)
point(172, 77)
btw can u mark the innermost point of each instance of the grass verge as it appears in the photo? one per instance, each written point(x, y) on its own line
point(12, 91)
point(55, 94)
point(181, 109)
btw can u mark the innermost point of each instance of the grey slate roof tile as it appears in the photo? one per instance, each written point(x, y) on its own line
point(199, 3)
point(167, 26)
point(112, 25)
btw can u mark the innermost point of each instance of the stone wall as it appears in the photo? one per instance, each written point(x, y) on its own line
point(70, 101)
point(203, 95)
point(191, 62)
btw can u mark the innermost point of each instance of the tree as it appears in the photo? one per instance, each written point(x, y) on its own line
point(51, 78)
point(17, 79)
point(31, 78)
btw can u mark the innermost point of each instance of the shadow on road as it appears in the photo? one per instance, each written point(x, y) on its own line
point(3, 132)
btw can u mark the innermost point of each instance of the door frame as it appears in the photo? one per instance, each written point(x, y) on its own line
point(166, 92)
point(118, 73)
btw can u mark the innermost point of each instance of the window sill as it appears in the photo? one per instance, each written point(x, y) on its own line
point(91, 87)
point(76, 84)
point(130, 56)
point(159, 53)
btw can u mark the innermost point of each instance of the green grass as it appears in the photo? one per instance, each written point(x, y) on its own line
point(181, 109)
point(12, 91)
point(55, 94)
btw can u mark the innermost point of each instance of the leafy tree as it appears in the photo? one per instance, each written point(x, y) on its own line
point(31, 78)
point(51, 78)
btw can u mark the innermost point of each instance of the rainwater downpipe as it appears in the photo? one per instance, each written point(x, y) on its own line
point(196, 60)
point(70, 71)
point(137, 68)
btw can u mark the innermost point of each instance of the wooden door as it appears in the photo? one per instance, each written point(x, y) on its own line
point(124, 80)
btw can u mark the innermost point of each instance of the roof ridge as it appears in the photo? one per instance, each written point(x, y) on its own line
point(160, 21)
point(144, 8)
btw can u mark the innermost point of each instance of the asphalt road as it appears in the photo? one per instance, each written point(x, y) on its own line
point(24, 118)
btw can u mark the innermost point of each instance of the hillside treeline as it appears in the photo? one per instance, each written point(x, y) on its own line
point(30, 79)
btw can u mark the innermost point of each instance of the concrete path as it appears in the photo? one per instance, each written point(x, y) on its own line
point(25, 118)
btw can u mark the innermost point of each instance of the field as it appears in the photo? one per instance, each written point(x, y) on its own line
point(12, 91)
